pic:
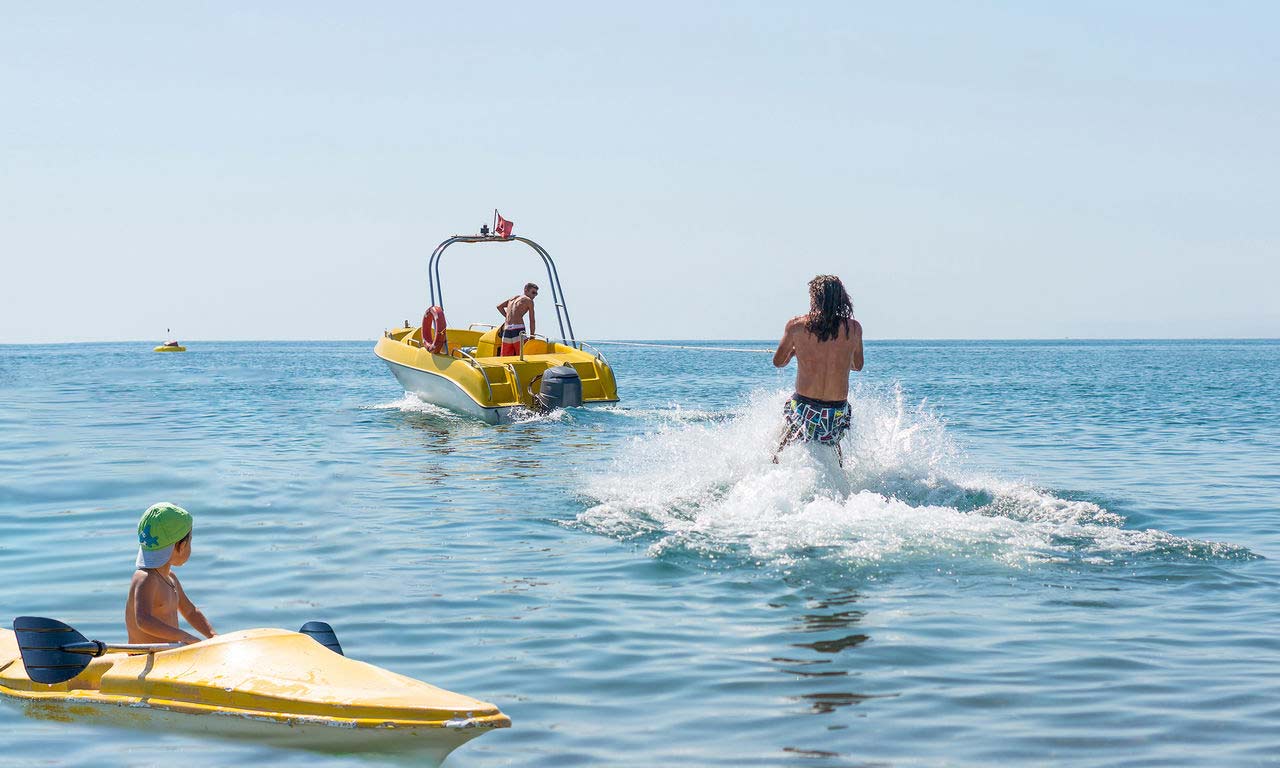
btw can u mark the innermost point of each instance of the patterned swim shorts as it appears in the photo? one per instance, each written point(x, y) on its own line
point(807, 419)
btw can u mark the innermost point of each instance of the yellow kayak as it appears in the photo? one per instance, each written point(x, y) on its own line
point(264, 684)
point(170, 348)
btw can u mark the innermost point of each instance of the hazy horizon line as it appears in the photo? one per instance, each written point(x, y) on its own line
point(374, 339)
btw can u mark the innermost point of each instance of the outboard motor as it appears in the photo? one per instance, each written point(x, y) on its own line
point(561, 388)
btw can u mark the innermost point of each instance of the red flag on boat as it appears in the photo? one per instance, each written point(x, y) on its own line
point(503, 227)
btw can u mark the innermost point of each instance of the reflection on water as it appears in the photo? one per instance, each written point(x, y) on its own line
point(468, 448)
point(841, 619)
point(837, 645)
point(816, 753)
point(791, 670)
point(821, 622)
point(826, 703)
point(437, 426)
point(827, 758)
point(832, 615)
point(516, 438)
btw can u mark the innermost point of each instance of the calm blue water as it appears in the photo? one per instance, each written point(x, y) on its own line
point(1039, 553)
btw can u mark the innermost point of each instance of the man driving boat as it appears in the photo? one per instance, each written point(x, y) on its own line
point(827, 344)
point(513, 311)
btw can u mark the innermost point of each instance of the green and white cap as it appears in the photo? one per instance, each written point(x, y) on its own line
point(161, 526)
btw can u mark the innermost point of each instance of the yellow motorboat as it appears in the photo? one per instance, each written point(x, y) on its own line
point(461, 368)
point(170, 346)
point(292, 689)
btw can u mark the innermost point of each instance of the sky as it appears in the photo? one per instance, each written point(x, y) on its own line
point(970, 169)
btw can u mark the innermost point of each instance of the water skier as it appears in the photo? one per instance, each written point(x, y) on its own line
point(827, 344)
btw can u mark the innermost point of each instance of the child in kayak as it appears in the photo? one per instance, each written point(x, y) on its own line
point(155, 594)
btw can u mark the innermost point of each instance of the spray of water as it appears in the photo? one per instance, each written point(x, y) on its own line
point(411, 403)
point(711, 488)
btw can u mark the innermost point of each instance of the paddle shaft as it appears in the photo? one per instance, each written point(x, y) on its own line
point(97, 647)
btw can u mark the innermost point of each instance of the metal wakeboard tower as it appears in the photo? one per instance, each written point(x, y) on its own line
point(553, 277)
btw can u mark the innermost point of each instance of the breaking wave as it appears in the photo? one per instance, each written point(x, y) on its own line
point(710, 488)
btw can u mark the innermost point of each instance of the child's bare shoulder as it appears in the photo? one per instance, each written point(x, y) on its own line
point(144, 578)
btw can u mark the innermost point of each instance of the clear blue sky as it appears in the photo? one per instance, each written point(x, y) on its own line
point(972, 170)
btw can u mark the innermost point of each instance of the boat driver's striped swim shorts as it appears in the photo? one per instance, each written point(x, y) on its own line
point(511, 339)
point(826, 421)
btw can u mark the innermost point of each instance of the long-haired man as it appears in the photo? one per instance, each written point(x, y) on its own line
point(827, 344)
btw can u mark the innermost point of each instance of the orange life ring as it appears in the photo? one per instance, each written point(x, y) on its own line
point(433, 330)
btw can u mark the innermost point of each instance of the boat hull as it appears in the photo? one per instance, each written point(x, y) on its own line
point(431, 745)
point(442, 391)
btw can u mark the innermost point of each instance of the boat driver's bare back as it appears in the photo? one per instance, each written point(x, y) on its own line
point(516, 308)
point(822, 367)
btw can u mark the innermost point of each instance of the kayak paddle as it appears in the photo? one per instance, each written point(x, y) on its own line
point(323, 634)
point(53, 652)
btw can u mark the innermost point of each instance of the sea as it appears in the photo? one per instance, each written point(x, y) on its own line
point(1035, 553)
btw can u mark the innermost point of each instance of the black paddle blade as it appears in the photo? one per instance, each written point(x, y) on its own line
point(322, 633)
point(41, 643)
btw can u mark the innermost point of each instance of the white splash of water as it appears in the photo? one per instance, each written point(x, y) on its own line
point(529, 416)
point(411, 403)
point(674, 413)
point(712, 488)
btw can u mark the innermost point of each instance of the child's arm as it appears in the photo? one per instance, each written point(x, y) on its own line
point(191, 613)
point(144, 597)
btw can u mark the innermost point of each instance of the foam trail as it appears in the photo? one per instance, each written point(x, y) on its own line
point(674, 413)
point(411, 403)
point(528, 416)
point(711, 488)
